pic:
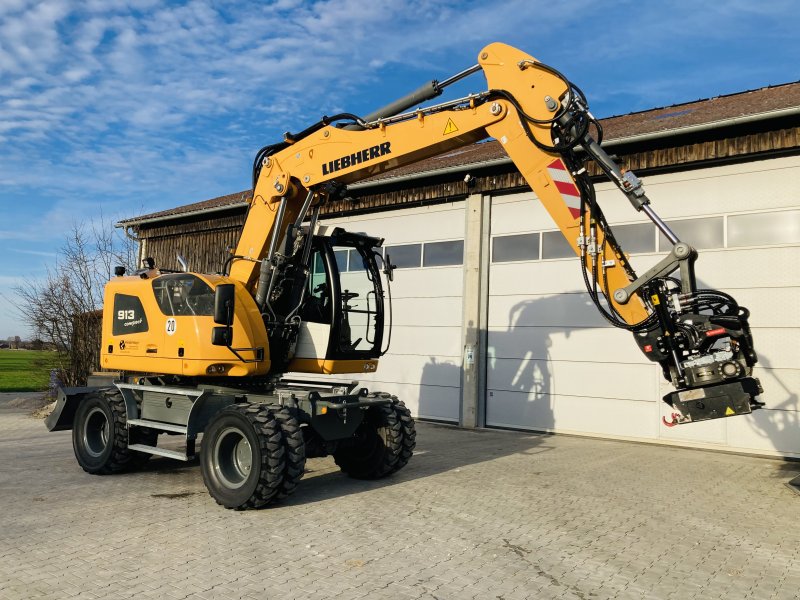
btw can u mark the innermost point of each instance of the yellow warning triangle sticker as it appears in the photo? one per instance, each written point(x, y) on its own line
point(729, 412)
point(450, 127)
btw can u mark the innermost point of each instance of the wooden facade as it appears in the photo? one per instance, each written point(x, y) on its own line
point(202, 239)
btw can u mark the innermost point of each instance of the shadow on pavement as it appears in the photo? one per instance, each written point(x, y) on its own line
point(440, 449)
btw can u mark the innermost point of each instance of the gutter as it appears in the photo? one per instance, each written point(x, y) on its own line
point(641, 137)
point(425, 174)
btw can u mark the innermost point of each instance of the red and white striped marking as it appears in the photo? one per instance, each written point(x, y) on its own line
point(572, 197)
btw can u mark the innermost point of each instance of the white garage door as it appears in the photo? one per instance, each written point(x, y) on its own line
point(423, 365)
point(555, 365)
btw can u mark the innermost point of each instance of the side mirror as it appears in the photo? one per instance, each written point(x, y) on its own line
point(224, 302)
point(222, 336)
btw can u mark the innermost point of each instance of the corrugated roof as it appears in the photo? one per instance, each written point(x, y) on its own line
point(764, 102)
point(239, 198)
point(699, 112)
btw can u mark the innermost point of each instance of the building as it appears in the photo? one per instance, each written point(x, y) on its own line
point(491, 323)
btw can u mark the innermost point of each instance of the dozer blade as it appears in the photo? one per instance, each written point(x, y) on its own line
point(714, 401)
point(66, 404)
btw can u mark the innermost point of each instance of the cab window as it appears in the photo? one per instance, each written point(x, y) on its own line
point(183, 294)
point(317, 305)
point(359, 304)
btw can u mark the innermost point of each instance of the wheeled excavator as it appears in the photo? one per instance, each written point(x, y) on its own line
point(199, 354)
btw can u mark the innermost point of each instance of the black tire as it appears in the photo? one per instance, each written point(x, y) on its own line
point(375, 448)
point(408, 433)
point(242, 456)
point(100, 435)
point(295, 451)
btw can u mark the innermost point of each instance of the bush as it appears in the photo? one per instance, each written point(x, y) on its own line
point(65, 308)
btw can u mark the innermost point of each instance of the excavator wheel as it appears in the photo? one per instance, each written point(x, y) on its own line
point(242, 456)
point(408, 433)
point(377, 445)
point(295, 448)
point(100, 436)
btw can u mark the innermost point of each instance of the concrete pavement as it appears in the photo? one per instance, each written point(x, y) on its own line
point(475, 514)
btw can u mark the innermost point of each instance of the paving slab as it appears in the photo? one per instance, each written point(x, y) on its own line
point(475, 514)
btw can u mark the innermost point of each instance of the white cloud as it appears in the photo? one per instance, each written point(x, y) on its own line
point(141, 104)
point(35, 252)
point(89, 83)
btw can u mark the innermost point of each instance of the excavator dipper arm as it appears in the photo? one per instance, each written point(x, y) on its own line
point(700, 338)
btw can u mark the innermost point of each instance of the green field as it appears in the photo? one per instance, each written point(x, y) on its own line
point(25, 370)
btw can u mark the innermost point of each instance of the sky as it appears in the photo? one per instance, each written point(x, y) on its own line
point(127, 107)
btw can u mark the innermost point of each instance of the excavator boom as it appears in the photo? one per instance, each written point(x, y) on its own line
point(699, 337)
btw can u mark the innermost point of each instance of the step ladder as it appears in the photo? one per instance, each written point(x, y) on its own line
point(127, 390)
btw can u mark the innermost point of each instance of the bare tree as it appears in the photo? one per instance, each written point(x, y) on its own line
point(64, 308)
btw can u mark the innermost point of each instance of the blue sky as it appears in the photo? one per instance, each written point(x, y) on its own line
point(135, 106)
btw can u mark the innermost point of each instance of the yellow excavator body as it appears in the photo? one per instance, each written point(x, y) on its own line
point(163, 324)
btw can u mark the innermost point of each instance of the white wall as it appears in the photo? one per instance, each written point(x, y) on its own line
point(553, 362)
point(557, 366)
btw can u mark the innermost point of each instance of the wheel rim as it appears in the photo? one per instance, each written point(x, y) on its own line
point(233, 458)
point(95, 432)
point(370, 443)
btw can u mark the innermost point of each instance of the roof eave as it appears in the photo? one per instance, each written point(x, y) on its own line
point(641, 137)
point(387, 181)
point(200, 211)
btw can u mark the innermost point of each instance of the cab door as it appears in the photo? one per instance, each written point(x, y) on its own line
point(358, 320)
point(316, 313)
point(341, 327)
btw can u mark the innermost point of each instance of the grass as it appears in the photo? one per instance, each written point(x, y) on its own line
point(25, 370)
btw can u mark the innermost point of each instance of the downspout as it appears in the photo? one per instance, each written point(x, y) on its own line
point(141, 243)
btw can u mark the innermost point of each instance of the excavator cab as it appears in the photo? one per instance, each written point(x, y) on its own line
point(342, 311)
